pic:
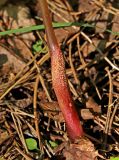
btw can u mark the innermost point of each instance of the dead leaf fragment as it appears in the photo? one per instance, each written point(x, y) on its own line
point(82, 149)
point(86, 114)
point(20, 48)
point(16, 16)
point(52, 110)
point(92, 104)
point(9, 63)
point(3, 136)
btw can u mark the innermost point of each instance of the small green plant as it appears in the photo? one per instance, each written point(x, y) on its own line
point(31, 144)
point(53, 144)
point(39, 47)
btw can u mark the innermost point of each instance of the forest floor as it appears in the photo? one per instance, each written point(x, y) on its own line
point(31, 123)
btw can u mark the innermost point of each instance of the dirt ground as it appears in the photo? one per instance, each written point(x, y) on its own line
point(31, 124)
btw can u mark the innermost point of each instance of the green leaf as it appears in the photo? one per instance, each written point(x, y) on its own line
point(31, 144)
point(37, 47)
point(53, 144)
point(55, 25)
point(114, 158)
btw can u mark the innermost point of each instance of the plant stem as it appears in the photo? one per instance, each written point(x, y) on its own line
point(59, 79)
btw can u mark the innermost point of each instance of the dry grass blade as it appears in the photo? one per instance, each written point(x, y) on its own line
point(72, 66)
point(23, 154)
point(107, 129)
point(36, 117)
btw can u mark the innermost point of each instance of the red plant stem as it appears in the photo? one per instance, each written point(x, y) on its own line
point(59, 80)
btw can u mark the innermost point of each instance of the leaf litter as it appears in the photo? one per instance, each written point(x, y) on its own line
point(28, 106)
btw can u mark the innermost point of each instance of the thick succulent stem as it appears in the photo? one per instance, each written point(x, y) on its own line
point(59, 79)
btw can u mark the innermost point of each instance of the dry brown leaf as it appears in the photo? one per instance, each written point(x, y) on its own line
point(16, 16)
point(82, 149)
point(86, 114)
point(86, 6)
point(92, 104)
point(3, 136)
point(20, 48)
point(9, 62)
point(53, 111)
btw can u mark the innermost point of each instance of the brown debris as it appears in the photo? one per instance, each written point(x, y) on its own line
point(9, 61)
point(92, 104)
point(82, 149)
point(91, 58)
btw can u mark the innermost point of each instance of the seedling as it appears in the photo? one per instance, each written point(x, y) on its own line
point(38, 47)
point(31, 144)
